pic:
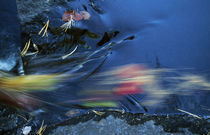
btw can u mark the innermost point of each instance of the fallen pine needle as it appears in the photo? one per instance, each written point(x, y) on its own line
point(45, 27)
point(25, 49)
point(98, 113)
point(117, 110)
point(65, 56)
point(41, 129)
point(32, 53)
point(189, 113)
point(22, 117)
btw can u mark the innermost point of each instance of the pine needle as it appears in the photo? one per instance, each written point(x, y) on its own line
point(22, 117)
point(45, 27)
point(41, 129)
point(25, 49)
point(98, 113)
point(189, 113)
point(65, 56)
point(32, 53)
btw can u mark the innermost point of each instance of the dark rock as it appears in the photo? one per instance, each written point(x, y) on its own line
point(10, 42)
point(127, 123)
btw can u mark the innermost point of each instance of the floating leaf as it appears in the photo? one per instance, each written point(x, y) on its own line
point(72, 14)
point(85, 15)
point(67, 15)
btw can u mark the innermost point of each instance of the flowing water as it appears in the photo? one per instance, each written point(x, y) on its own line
point(169, 40)
point(159, 34)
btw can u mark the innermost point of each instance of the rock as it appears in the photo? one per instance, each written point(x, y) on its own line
point(26, 130)
point(10, 42)
point(29, 9)
point(115, 126)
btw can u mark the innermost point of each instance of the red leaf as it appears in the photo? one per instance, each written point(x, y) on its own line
point(67, 15)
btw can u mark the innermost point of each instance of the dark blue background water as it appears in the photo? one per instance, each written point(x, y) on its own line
point(168, 34)
point(176, 31)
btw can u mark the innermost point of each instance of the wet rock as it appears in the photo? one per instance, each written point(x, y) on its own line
point(11, 120)
point(109, 126)
point(117, 123)
point(31, 8)
point(10, 42)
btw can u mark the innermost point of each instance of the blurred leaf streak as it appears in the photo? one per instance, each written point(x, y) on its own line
point(41, 129)
point(98, 113)
point(25, 49)
point(29, 82)
point(189, 113)
point(101, 104)
point(65, 56)
point(45, 27)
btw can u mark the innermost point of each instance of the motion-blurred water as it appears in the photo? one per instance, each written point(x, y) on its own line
point(165, 34)
point(167, 40)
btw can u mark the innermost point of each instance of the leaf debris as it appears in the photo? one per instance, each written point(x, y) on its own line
point(189, 113)
point(45, 27)
point(68, 24)
point(25, 49)
point(23, 117)
point(41, 129)
point(65, 56)
point(32, 53)
point(98, 113)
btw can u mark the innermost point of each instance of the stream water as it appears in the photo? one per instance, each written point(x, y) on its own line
point(172, 36)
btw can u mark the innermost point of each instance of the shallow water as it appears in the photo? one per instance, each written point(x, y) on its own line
point(167, 34)
point(172, 35)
